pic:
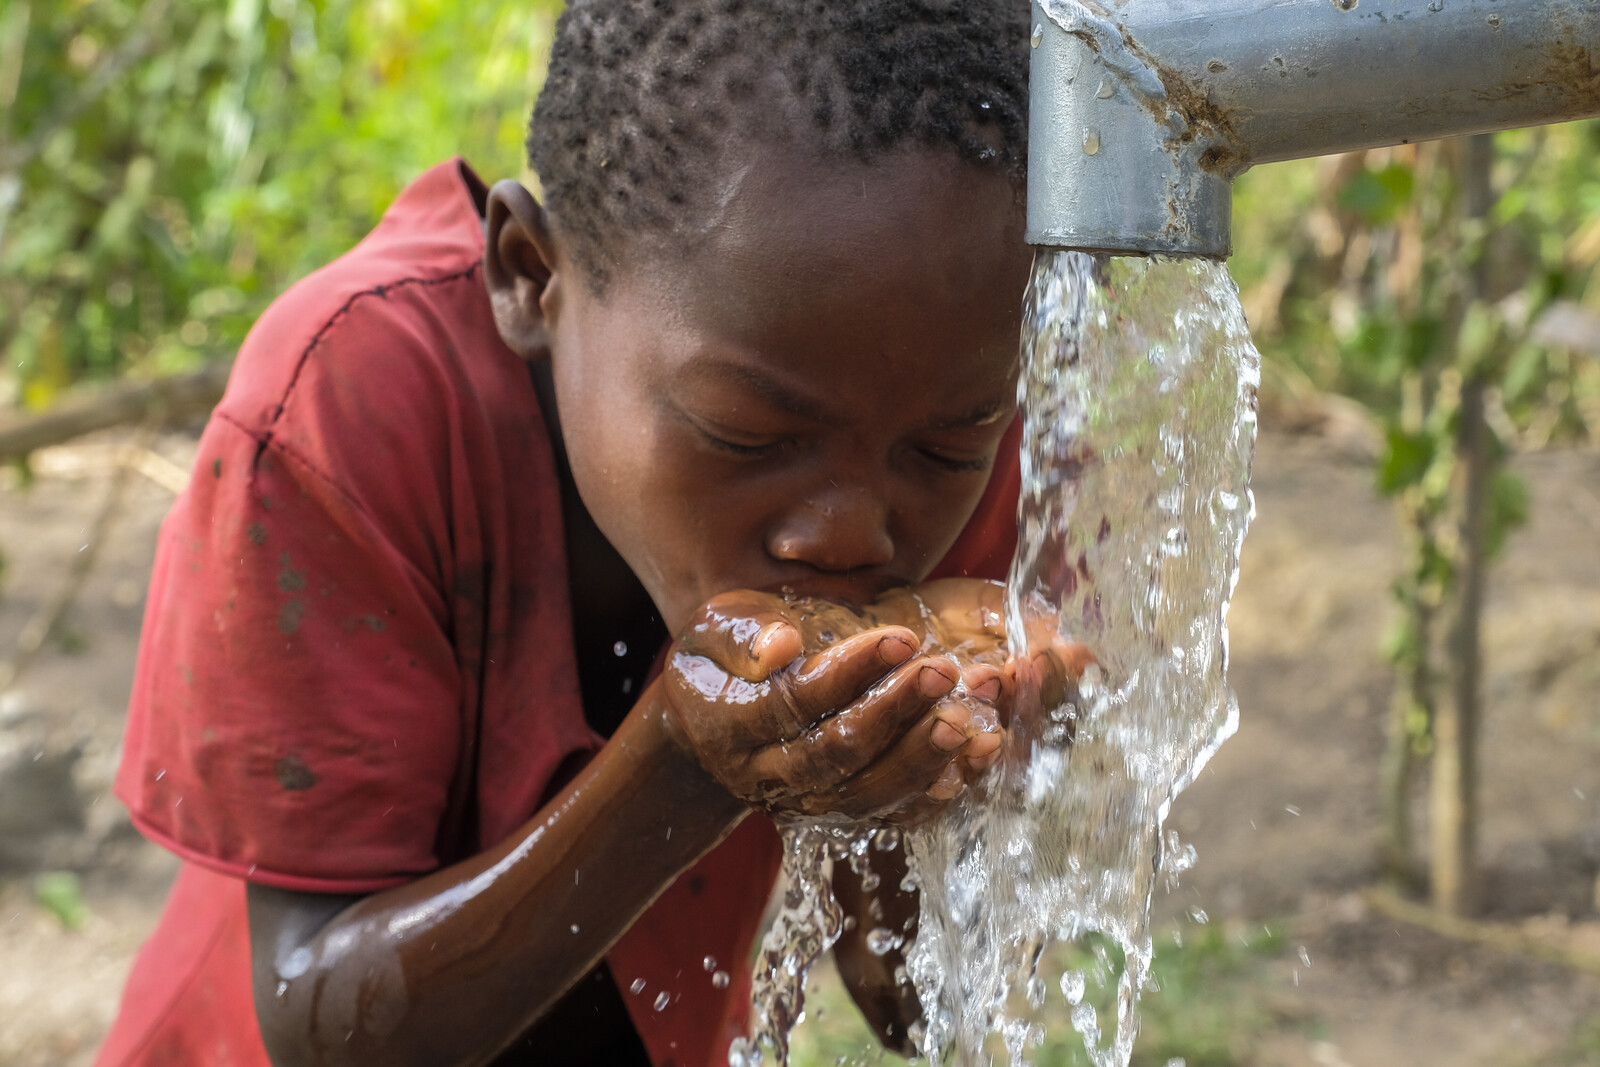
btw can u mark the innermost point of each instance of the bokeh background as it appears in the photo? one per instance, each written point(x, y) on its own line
point(1398, 853)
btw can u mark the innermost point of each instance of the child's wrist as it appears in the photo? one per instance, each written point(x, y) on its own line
point(665, 747)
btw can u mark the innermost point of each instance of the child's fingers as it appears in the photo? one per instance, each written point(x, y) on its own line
point(838, 676)
point(981, 753)
point(744, 632)
point(913, 765)
point(841, 745)
point(988, 683)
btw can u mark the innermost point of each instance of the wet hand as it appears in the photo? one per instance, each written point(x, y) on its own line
point(1046, 680)
point(808, 707)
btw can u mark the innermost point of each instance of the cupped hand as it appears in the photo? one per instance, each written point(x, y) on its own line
point(807, 706)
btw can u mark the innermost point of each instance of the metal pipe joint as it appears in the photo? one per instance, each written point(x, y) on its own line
point(1144, 111)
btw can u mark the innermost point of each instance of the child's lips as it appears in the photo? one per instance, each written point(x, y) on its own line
point(854, 593)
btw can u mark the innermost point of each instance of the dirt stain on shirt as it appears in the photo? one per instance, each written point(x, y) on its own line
point(289, 579)
point(293, 774)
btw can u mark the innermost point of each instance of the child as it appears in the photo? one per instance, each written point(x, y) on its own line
point(395, 706)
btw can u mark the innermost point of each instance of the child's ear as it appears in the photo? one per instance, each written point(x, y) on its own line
point(519, 267)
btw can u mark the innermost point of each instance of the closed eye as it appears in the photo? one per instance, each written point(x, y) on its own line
point(722, 444)
point(956, 464)
point(733, 442)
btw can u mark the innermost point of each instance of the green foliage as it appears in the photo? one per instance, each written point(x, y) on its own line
point(167, 167)
point(1204, 1005)
point(1581, 1049)
point(1350, 266)
point(61, 894)
point(1208, 1004)
point(1379, 196)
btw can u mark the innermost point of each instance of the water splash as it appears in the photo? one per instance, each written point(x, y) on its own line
point(808, 923)
point(1138, 389)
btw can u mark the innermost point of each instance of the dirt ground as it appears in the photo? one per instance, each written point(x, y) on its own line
point(1285, 817)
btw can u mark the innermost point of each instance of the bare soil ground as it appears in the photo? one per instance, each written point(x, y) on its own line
point(1285, 818)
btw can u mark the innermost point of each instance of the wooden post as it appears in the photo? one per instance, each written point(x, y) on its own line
point(1453, 811)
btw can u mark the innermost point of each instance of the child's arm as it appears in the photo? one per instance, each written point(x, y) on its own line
point(453, 967)
point(873, 979)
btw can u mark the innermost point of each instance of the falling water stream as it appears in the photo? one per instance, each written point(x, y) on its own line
point(1138, 391)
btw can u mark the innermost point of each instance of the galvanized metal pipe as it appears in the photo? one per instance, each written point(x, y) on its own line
point(1144, 111)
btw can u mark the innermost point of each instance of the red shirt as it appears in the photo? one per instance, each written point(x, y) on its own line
point(357, 661)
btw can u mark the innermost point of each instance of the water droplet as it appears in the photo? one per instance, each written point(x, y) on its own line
point(1091, 142)
point(574, 927)
point(1038, 35)
point(620, 648)
point(1106, 90)
point(709, 963)
point(283, 990)
point(1072, 986)
point(662, 1000)
point(881, 941)
point(720, 979)
point(637, 987)
point(1305, 957)
point(1199, 915)
point(1494, 20)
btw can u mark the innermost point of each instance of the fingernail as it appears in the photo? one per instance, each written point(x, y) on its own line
point(945, 737)
point(932, 682)
point(988, 691)
point(763, 637)
point(983, 746)
point(949, 785)
point(895, 650)
point(979, 764)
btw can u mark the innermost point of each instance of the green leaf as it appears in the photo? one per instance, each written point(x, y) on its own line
point(1406, 459)
point(61, 894)
point(1508, 509)
point(1379, 196)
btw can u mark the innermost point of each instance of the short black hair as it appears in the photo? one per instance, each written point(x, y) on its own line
point(642, 95)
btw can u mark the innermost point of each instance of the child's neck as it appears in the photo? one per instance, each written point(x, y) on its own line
point(611, 611)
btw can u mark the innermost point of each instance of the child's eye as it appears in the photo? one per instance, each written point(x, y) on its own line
point(722, 444)
point(955, 464)
point(722, 441)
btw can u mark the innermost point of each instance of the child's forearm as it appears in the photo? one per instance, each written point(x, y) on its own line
point(889, 1005)
point(450, 969)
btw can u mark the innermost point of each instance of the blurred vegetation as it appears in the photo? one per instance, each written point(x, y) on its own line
point(168, 166)
point(1212, 1001)
point(1348, 266)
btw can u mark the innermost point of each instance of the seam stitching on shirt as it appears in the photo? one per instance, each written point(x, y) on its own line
point(264, 442)
point(380, 291)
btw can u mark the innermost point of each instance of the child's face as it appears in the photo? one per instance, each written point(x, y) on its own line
point(812, 398)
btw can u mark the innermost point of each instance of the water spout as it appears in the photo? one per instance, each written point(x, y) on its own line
point(1201, 90)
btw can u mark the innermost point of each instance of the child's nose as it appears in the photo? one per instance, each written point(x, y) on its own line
point(841, 529)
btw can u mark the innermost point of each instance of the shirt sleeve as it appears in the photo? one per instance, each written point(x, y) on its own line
point(295, 716)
